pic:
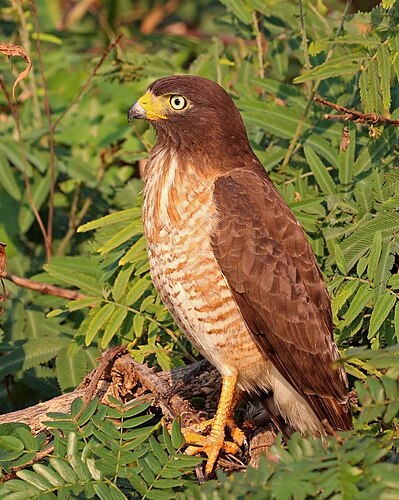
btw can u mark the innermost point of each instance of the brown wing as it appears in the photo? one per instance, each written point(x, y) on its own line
point(266, 258)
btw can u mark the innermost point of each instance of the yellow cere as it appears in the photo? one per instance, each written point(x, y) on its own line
point(155, 107)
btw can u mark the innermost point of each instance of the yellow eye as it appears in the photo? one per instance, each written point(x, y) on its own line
point(178, 102)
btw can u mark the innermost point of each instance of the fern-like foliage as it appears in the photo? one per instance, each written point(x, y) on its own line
point(99, 451)
point(307, 468)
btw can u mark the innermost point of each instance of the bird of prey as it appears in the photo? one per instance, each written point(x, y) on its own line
point(234, 267)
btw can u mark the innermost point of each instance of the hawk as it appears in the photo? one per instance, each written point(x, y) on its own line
point(234, 267)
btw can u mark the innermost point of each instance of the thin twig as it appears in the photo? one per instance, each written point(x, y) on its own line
point(157, 15)
point(302, 176)
point(43, 287)
point(86, 85)
point(65, 293)
point(3, 259)
point(354, 115)
point(368, 282)
point(305, 46)
point(51, 129)
point(40, 455)
point(259, 42)
point(75, 216)
point(25, 38)
point(107, 358)
point(15, 114)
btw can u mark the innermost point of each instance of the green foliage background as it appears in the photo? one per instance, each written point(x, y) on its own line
point(86, 173)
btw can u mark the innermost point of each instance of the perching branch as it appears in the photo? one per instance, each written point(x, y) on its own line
point(119, 375)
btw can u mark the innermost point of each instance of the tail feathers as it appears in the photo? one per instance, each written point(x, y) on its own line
point(285, 428)
point(334, 416)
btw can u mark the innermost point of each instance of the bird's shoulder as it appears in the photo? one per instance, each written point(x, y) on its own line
point(255, 220)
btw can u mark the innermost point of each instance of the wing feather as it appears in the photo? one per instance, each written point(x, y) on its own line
point(273, 274)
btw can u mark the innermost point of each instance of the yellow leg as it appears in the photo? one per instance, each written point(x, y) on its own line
point(212, 444)
point(236, 433)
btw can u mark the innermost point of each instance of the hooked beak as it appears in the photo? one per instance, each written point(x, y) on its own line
point(136, 111)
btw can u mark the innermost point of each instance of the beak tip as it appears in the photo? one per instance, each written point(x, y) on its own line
point(136, 111)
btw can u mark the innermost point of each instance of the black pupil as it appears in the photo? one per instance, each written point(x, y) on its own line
point(178, 101)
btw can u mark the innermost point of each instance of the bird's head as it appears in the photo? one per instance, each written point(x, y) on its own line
point(192, 113)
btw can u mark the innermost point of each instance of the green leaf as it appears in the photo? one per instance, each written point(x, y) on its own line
point(121, 282)
point(384, 72)
point(34, 479)
point(13, 153)
point(137, 290)
point(382, 308)
point(396, 322)
point(239, 9)
point(49, 474)
point(158, 451)
point(76, 406)
point(320, 172)
point(10, 448)
point(121, 237)
point(138, 324)
point(275, 119)
point(8, 179)
point(176, 435)
point(319, 145)
point(363, 297)
point(86, 282)
point(383, 268)
point(88, 412)
point(338, 66)
point(135, 250)
point(75, 305)
point(366, 95)
point(340, 259)
point(71, 368)
point(375, 253)
point(135, 422)
point(346, 291)
point(117, 217)
point(136, 481)
point(114, 324)
point(360, 241)
point(98, 321)
point(39, 191)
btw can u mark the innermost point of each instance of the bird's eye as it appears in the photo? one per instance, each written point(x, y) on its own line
point(178, 102)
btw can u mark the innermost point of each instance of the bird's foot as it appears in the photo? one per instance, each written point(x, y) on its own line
point(237, 435)
point(212, 444)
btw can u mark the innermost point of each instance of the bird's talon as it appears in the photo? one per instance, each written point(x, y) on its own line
point(237, 435)
point(210, 446)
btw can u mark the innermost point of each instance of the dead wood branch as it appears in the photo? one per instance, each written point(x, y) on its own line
point(120, 375)
point(354, 115)
point(35, 415)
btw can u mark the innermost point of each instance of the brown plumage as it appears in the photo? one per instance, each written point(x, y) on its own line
point(233, 265)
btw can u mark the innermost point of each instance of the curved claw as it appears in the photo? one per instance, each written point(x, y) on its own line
point(210, 445)
point(237, 435)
